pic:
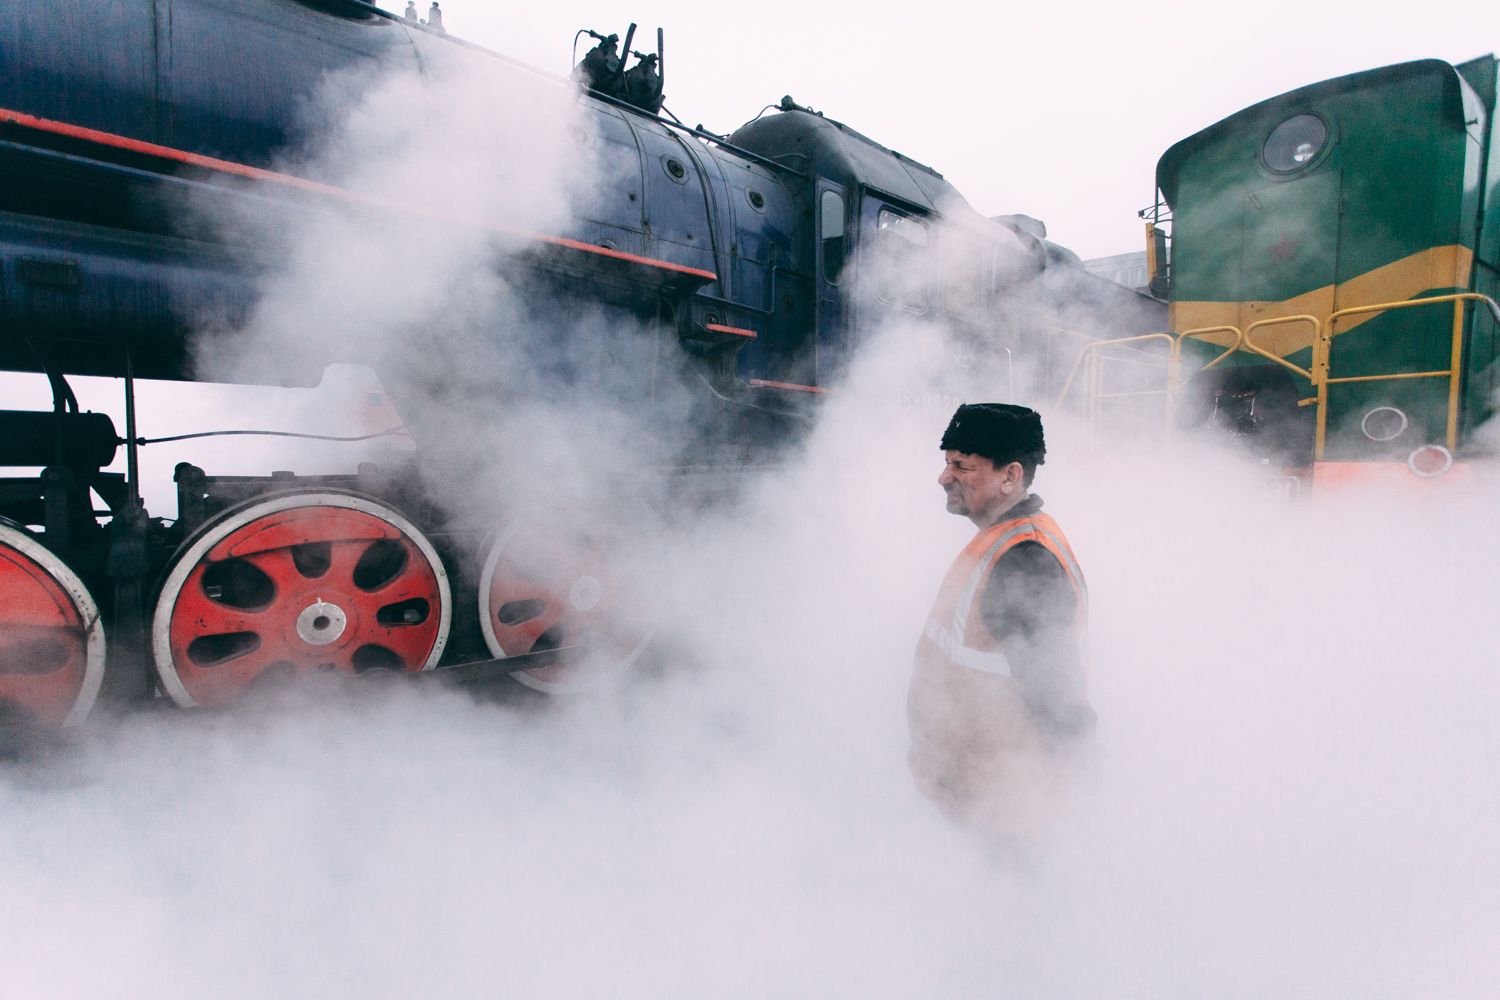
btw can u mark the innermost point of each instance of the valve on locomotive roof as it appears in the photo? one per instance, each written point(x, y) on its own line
point(435, 18)
point(600, 67)
point(643, 83)
point(411, 11)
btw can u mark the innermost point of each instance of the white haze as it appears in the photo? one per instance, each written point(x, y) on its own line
point(1296, 794)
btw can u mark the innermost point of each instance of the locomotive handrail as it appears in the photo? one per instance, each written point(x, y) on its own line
point(1318, 375)
point(1256, 349)
point(1097, 395)
point(1451, 373)
point(1095, 345)
point(1174, 373)
point(1175, 379)
point(1430, 300)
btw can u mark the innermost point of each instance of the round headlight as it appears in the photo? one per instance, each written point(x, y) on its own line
point(1294, 143)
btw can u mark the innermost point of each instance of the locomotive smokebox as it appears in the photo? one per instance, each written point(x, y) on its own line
point(78, 440)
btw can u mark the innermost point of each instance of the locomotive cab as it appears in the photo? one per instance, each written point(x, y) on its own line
point(892, 242)
point(1340, 242)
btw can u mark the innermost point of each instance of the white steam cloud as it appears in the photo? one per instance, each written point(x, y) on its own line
point(1296, 794)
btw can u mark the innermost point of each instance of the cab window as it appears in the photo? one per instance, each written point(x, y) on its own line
point(899, 244)
point(831, 222)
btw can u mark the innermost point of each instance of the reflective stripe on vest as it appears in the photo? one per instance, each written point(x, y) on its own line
point(951, 626)
point(989, 662)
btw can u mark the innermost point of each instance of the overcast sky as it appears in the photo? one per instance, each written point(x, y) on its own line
point(1058, 110)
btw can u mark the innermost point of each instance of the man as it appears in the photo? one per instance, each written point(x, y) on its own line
point(997, 703)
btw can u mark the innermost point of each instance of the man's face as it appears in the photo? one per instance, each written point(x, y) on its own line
point(975, 488)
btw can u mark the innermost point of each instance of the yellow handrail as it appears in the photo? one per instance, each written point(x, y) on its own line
point(1090, 353)
point(1174, 372)
point(1094, 346)
point(1318, 375)
point(1203, 331)
point(1255, 348)
point(1452, 373)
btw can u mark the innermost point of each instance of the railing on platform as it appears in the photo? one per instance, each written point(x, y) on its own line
point(1089, 358)
point(1453, 373)
point(1318, 376)
point(1092, 361)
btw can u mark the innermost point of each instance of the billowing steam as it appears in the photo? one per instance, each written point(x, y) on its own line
point(1295, 796)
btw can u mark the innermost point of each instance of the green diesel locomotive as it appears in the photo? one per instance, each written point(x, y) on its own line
point(1332, 275)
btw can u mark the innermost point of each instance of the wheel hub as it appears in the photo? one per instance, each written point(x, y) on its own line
point(585, 593)
point(321, 623)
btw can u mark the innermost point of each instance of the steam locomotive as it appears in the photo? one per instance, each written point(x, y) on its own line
point(1333, 264)
point(755, 262)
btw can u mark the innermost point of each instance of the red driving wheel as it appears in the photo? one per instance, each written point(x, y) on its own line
point(296, 583)
point(538, 593)
point(51, 640)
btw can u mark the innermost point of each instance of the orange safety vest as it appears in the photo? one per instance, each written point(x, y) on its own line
point(974, 747)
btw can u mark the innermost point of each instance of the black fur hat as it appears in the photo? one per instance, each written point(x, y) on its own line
point(1001, 432)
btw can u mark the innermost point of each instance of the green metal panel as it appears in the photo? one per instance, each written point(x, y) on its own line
point(1483, 381)
point(1289, 236)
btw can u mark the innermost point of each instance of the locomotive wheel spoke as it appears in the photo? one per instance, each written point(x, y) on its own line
point(401, 590)
point(344, 557)
point(279, 565)
point(51, 639)
point(297, 583)
point(537, 594)
point(209, 615)
point(525, 636)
